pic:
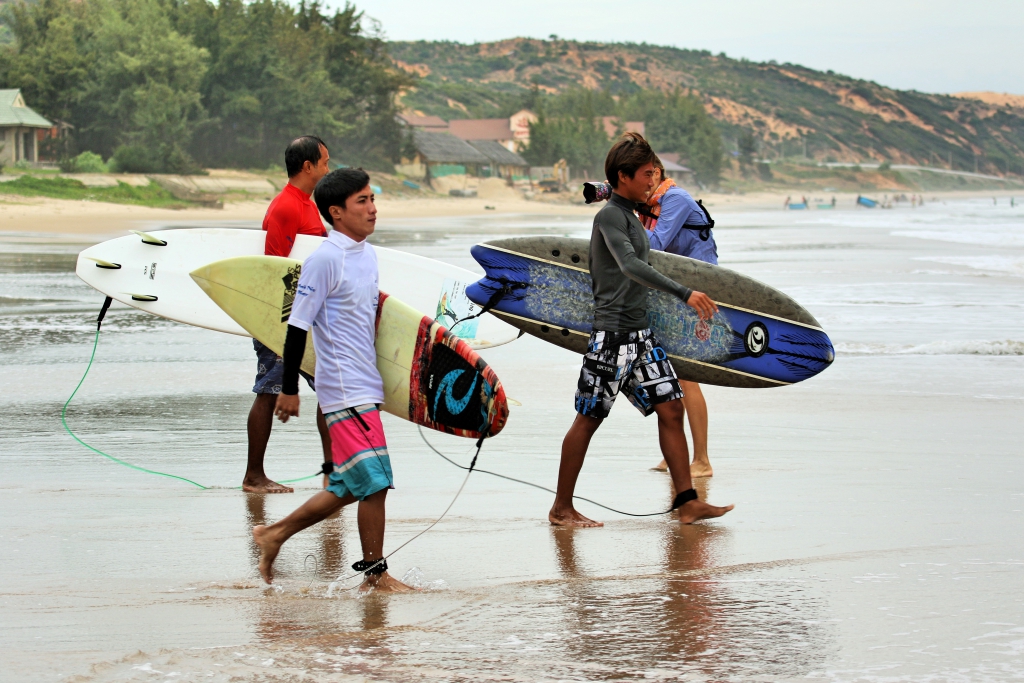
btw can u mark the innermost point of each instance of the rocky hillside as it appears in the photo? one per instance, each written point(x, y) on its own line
point(793, 111)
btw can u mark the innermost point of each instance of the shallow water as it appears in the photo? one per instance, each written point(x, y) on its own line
point(877, 533)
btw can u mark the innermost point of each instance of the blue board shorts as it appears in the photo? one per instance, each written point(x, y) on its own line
point(270, 371)
point(359, 452)
point(631, 362)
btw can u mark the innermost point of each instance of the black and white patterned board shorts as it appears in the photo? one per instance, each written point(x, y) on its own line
point(633, 363)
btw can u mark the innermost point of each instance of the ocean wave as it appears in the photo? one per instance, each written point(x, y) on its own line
point(1006, 347)
point(1009, 238)
point(1014, 265)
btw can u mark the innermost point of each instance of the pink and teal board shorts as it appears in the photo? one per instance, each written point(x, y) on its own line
point(360, 452)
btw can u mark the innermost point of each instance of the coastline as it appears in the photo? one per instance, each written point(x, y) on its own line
point(40, 217)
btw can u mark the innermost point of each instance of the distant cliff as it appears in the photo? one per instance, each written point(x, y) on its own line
point(790, 110)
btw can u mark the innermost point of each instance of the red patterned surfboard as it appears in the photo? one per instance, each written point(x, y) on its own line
point(431, 377)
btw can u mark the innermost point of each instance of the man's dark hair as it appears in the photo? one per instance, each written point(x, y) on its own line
point(336, 187)
point(628, 154)
point(301, 150)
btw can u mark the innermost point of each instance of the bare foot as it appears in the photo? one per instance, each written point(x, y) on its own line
point(264, 485)
point(269, 548)
point(661, 466)
point(569, 517)
point(696, 510)
point(700, 468)
point(384, 583)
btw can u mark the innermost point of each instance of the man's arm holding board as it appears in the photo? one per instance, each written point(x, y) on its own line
point(622, 250)
point(294, 349)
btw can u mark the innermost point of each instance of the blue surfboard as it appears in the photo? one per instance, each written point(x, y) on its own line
point(759, 338)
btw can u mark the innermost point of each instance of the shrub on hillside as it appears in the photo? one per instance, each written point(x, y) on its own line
point(86, 162)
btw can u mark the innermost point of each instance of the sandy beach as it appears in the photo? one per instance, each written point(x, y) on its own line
point(877, 535)
point(38, 216)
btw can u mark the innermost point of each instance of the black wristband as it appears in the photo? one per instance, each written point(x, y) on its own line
point(294, 349)
point(372, 567)
point(327, 468)
point(683, 498)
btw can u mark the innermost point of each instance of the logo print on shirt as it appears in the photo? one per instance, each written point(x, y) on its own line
point(291, 283)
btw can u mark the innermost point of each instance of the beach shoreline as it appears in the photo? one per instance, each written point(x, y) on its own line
point(41, 217)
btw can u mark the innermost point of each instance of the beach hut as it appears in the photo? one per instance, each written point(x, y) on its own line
point(439, 155)
point(21, 129)
point(503, 163)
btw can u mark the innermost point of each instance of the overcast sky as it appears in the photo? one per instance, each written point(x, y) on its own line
point(934, 46)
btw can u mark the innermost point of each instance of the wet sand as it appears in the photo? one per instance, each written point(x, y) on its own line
point(877, 534)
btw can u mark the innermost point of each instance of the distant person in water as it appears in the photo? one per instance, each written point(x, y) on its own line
point(623, 356)
point(337, 297)
point(291, 213)
point(682, 226)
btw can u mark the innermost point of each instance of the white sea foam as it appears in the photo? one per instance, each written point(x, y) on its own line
point(1014, 265)
point(1006, 347)
point(417, 579)
point(1010, 237)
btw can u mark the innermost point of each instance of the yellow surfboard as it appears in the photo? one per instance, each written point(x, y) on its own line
point(431, 377)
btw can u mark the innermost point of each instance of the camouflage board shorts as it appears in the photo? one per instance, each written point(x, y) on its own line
point(631, 362)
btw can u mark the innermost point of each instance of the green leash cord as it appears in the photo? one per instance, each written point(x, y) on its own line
point(64, 412)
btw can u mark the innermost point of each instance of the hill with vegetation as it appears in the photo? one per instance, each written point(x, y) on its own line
point(766, 110)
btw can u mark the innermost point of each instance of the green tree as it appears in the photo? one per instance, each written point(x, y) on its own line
point(156, 83)
point(678, 123)
point(747, 148)
point(144, 93)
point(50, 61)
point(279, 71)
point(116, 70)
point(569, 127)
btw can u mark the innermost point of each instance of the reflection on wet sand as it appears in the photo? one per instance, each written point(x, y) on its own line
point(304, 619)
point(693, 616)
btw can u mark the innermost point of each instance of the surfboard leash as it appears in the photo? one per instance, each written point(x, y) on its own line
point(380, 566)
point(507, 287)
point(679, 500)
point(374, 567)
point(64, 412)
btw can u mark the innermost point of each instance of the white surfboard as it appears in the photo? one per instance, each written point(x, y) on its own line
point(150, 271)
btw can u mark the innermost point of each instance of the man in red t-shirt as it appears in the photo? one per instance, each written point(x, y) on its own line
point(291, 213)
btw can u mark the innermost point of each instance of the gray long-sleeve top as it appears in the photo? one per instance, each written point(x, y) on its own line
point(619, 269)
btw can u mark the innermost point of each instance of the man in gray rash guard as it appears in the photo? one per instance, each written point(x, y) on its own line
point(623, 355)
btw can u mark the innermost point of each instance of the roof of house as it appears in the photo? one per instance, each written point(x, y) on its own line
point(498, 153)
point(445, 148)
point(14, 112)
point(611, 124)
point(480, 129)
point(429, 122)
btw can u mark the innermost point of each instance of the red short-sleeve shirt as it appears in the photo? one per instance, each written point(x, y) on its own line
point(291, 213)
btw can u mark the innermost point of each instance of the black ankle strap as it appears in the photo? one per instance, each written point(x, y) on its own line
point(683, 498)
point(372, 567)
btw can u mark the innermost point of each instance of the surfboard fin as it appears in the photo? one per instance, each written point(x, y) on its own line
point(150, 239)
point(100, 263)
point(142, 297)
